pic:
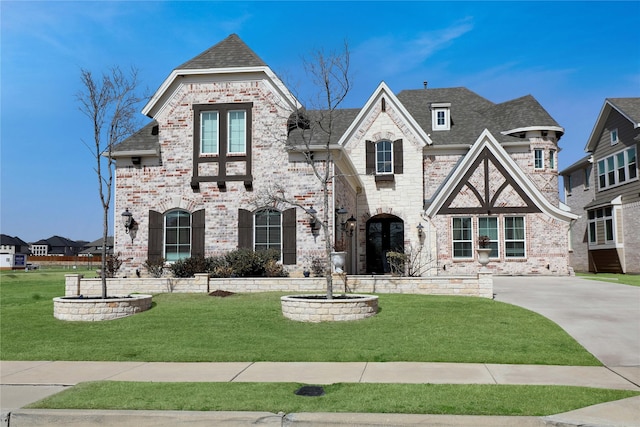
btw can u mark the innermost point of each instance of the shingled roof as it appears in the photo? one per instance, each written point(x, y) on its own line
point(146, 139)
point(231, 52)
point(629, 106)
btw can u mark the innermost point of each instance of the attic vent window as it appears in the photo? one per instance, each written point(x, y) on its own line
point(441, 116)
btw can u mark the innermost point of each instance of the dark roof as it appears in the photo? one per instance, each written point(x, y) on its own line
point(229, 53)
point(12, 241)
point(319, 120)
point(57, 241)
point(580, 164)
point(471, 114)
point(629, 106)
point(145, 139)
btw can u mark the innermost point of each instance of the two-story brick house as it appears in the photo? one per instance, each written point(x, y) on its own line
point(604, 189)
point(423, 172)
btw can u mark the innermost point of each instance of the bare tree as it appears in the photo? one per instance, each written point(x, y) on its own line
point(311, 133)
point(110, 103)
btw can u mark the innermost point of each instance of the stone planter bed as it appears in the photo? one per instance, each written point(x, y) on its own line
point(317, 308)
point(92, 309)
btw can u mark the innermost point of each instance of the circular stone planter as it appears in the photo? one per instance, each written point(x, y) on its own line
point(93, 309)
point(317, 308)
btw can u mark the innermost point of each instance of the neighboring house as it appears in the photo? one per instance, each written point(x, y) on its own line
point(95, 248)
point(424, 173)
point(13, 245)
point(604, 189)
point(56, 246)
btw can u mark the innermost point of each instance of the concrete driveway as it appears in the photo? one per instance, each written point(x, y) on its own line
point(603, 317)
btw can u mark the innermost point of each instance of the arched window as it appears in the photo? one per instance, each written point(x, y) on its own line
point(268, 230)
point(177, 235)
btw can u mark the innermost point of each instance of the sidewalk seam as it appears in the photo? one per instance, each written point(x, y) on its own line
point(366, 365)
point(241, 371)
point(490, 373)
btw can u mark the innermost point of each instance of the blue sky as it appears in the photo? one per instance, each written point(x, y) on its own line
point(568, 55)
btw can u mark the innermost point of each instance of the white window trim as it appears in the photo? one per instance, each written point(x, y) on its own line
point(217, 143)
point(552, 159)
point(453, 241)
point(613, 134)
point(535, 164)
point(607, 244)
point(616, 167)
point(164, 234)
point(493, 241)
point(244, 131)
point(444, 107)
point(376, 157)
point(524, 240)
point(281, 229)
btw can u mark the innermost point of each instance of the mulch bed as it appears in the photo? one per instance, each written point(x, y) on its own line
point(220, 293)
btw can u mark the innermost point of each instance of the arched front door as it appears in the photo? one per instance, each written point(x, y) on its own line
point(385, 233)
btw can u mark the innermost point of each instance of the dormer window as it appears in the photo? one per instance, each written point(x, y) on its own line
point(440, 116)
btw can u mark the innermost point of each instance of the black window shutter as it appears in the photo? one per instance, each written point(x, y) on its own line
point(197, 233)
point(245, 229)
point(370, 147)
point(156, 236)
point(397, 156)
point(289, 236)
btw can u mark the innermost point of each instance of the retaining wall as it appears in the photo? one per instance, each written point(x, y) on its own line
point(480, 285)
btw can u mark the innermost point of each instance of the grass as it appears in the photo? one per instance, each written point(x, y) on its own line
point(250, 327)
point(342, 397)
point(625, 279)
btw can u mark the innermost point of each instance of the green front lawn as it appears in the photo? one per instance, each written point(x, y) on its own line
point(343, 397)
point(250, 327)
point(625, 279)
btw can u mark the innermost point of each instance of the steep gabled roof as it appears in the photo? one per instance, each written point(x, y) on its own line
point(231, 52)
point(487, 143)
point(627, 107)
point(522, 114)
point(7, 240)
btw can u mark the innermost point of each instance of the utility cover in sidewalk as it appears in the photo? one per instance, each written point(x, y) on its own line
point(310, 390)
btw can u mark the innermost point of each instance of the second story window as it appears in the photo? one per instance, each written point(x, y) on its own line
point(614, 136)
point(384, 157)
point(617, 169)
point(552, 159)
point(538, 159)
point(237, 132)
point(209, 132)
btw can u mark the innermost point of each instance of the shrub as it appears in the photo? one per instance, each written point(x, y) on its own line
point(248, 263)
point(318, 267)
point(112, 265)
point(154, 267)
point(237, 263)
point(188, 267)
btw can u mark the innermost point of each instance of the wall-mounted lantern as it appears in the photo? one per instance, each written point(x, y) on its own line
point(313, 221)
point(130, 224)
point(351, 225)
point(420, 228)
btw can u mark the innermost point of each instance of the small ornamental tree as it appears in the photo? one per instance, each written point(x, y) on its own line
point(311, 134)
point(110, 103)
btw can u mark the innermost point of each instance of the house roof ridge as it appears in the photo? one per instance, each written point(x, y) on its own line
point(232, 52)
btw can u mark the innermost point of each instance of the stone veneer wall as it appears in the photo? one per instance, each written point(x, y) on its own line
point(479, 285)
point(94, 310)
point(631, 225)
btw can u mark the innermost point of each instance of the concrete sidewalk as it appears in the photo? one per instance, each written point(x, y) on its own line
point(27, 382)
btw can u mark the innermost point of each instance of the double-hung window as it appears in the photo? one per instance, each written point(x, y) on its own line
point(384, 157)
point(462, 238)
point(268, 230)
point(177, 232)
point(514, 237)
point(538, 158)
point(488, 226)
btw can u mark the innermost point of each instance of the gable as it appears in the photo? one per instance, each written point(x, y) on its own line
point(487, 188)
point(488, 180)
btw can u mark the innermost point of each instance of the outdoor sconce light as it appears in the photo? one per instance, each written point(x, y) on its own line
point(351, 225)
point(128, 221)
point(312, 218)
point(420, 228)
